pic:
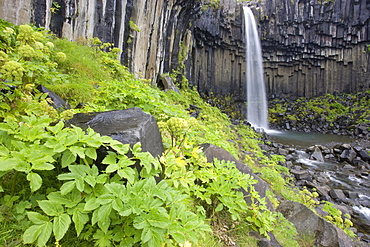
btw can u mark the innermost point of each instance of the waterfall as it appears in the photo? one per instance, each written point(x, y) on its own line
point(256, 95)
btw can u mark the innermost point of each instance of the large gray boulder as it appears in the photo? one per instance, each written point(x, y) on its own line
point(128, 126)
point(308, 223)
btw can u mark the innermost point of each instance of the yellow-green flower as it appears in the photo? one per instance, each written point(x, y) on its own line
point(12, 71)
point(26, 51)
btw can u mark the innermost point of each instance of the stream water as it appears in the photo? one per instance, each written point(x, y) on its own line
point(349, 180)
point(257, 115)
point(305, 139)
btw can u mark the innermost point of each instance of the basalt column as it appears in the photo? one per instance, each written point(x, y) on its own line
point(312, 48)
point(218, 55)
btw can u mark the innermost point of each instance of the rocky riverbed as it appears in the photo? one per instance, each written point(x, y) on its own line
point(338, 172)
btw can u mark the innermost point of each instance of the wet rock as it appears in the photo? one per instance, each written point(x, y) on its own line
point(348, 167)
point(338, 195)
point(351, 194)
point(348, 155)
point(317, 155)
point(282, 151)
point(289, 164)
point(301, 175)
point(364, 155)
point(359, 163)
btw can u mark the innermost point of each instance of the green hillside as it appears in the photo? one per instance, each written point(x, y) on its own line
point(53, 194)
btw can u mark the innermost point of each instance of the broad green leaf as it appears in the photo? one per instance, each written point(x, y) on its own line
point(68, 158)
point(91, 153)
point(81, 170)
point(93, 142)
point(79, 219)
point(112, 168)
point(125, 212)
point(35, 181)
point(110, 159)
point(55, 144)
point(127, 173)
point(140, 222)
point(76, 150)
point(103, 239)
point(115, 188)
point(136, 148)
point(68, 176)
point(51, 208)
point(157, 238)
point(105, 199)
point(8, 164)
point(177, 233)
point(56, 128)
point(4, 151)
point(67, 187)
point(69, 200)
point(43, 166)
point(41, 233)
point(80, 184)
point(146, 234)
point(37, 218)
point(60, 225)
point(120, 148)
point(102, 178)
point(158, 218)
point(219, 207)
point(91, 180)
point(70, 139)
point(101, 216)
point(91, 204)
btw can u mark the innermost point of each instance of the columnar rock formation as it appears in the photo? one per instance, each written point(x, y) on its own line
point(315, 47)
point(310, 47)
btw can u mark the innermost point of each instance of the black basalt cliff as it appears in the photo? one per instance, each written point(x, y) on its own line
point(310, 47)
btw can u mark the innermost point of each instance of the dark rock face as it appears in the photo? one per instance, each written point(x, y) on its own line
point(128, 126)
point(218, 55)
point(312, 48)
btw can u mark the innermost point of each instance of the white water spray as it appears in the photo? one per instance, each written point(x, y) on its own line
point(256, 95)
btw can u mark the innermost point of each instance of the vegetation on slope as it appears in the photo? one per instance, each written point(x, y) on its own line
point(52, 192)
point(333, 112)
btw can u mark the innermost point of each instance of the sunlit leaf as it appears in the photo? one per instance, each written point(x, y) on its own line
point(51, 208)
point(60, 225)
point(35, 181)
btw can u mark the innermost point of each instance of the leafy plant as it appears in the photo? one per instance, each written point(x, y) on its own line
point(337, 218)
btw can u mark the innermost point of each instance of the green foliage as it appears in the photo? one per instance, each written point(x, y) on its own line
point(134, 27)
point(215, 4)
point(55, 7)
point(149, 213)
point(337, 218)
point(329, 108)
point(55, 188)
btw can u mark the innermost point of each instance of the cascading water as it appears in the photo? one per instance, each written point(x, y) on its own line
point(256, 95)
